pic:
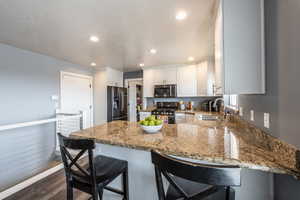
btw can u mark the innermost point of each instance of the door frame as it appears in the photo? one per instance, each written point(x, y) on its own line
point(127, 80)
point(90, 78)
point(126, 85)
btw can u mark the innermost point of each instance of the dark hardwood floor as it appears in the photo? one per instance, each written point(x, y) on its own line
point(52, 187)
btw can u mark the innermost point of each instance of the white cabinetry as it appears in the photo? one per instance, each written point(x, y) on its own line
point(158, 76)
point(205, 78)
point(165, 75)
point(239, 47)
point(187, 81)
point(114, 77)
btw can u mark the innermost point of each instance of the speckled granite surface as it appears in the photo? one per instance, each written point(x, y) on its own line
point(235, 142)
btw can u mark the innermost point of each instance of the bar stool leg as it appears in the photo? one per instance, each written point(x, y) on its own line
point(230, 194)
point(125, 185)
point(69, 192)
point(101, 193)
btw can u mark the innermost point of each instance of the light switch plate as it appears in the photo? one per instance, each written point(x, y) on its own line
point(241, 111)
point(252, 115)
point(267, 120)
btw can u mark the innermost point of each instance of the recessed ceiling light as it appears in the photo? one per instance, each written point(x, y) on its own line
point(191, 58)
point(181, 15)
point(153, 51)
point(93, 64)
point(142, 64)
point(94, 38)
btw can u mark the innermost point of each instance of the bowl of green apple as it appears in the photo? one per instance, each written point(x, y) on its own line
point(151, 124)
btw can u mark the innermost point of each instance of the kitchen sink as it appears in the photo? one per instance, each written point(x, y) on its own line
point(208, 117)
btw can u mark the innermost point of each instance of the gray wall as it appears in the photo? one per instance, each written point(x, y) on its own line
point(283, 92)
point(27, 81)
point(134, 74)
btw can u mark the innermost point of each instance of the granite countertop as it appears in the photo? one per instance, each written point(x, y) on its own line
point(227, 142)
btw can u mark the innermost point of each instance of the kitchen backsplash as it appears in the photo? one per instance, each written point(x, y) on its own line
point(197, 100)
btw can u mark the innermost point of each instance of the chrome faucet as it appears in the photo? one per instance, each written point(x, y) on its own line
point(216, 101)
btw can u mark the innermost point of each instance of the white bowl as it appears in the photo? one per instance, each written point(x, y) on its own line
point(152, 129)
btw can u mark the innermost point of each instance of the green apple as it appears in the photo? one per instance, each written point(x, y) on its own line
point(158, 122)
point(146, 123)
point(152, 118)
point(152, 123)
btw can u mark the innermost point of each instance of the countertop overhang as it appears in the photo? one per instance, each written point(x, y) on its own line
point(222, 142)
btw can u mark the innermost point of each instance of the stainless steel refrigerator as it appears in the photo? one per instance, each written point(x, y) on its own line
point(116, 103)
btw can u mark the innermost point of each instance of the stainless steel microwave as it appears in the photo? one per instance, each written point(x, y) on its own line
point(165, 91)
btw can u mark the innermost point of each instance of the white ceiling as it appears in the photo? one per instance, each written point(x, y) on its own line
point(127, 29)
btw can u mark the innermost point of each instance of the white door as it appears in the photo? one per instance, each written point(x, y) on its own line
point(76, 96)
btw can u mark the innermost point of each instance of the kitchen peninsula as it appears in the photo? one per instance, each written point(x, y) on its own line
point(222, 141)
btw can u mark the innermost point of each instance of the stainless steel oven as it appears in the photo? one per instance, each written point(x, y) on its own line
point(165, 91)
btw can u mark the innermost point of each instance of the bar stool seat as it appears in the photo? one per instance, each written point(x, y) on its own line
point(108, 168)
point(191, 188)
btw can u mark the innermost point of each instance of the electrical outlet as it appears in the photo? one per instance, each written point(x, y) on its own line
point(241, 111)
point(267, 120)
point(252, 115)
point(54, 98)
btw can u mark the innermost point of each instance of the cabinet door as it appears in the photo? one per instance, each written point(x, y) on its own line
point(165, 75)
point(114, 77)
point(202, 79)
point(205, 78)
point(157, 76)
point(148, 83)
point(169, 75)
point(243, 50)
point(187, 81)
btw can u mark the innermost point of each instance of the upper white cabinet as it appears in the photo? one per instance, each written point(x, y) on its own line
point(205, 78)
point(158, 76)
point(114, 77)
point(239, 47)
point(165, 75)
point(187, 81)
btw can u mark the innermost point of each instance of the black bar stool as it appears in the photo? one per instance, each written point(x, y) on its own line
point(191, 181)
point(95, 177)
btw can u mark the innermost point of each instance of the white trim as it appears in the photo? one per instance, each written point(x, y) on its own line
point(16, 188)
point(33, 123)
point(263, 53)
point(90, 78)
point(131, 79)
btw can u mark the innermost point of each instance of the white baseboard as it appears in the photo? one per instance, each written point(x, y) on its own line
point(16, 188)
